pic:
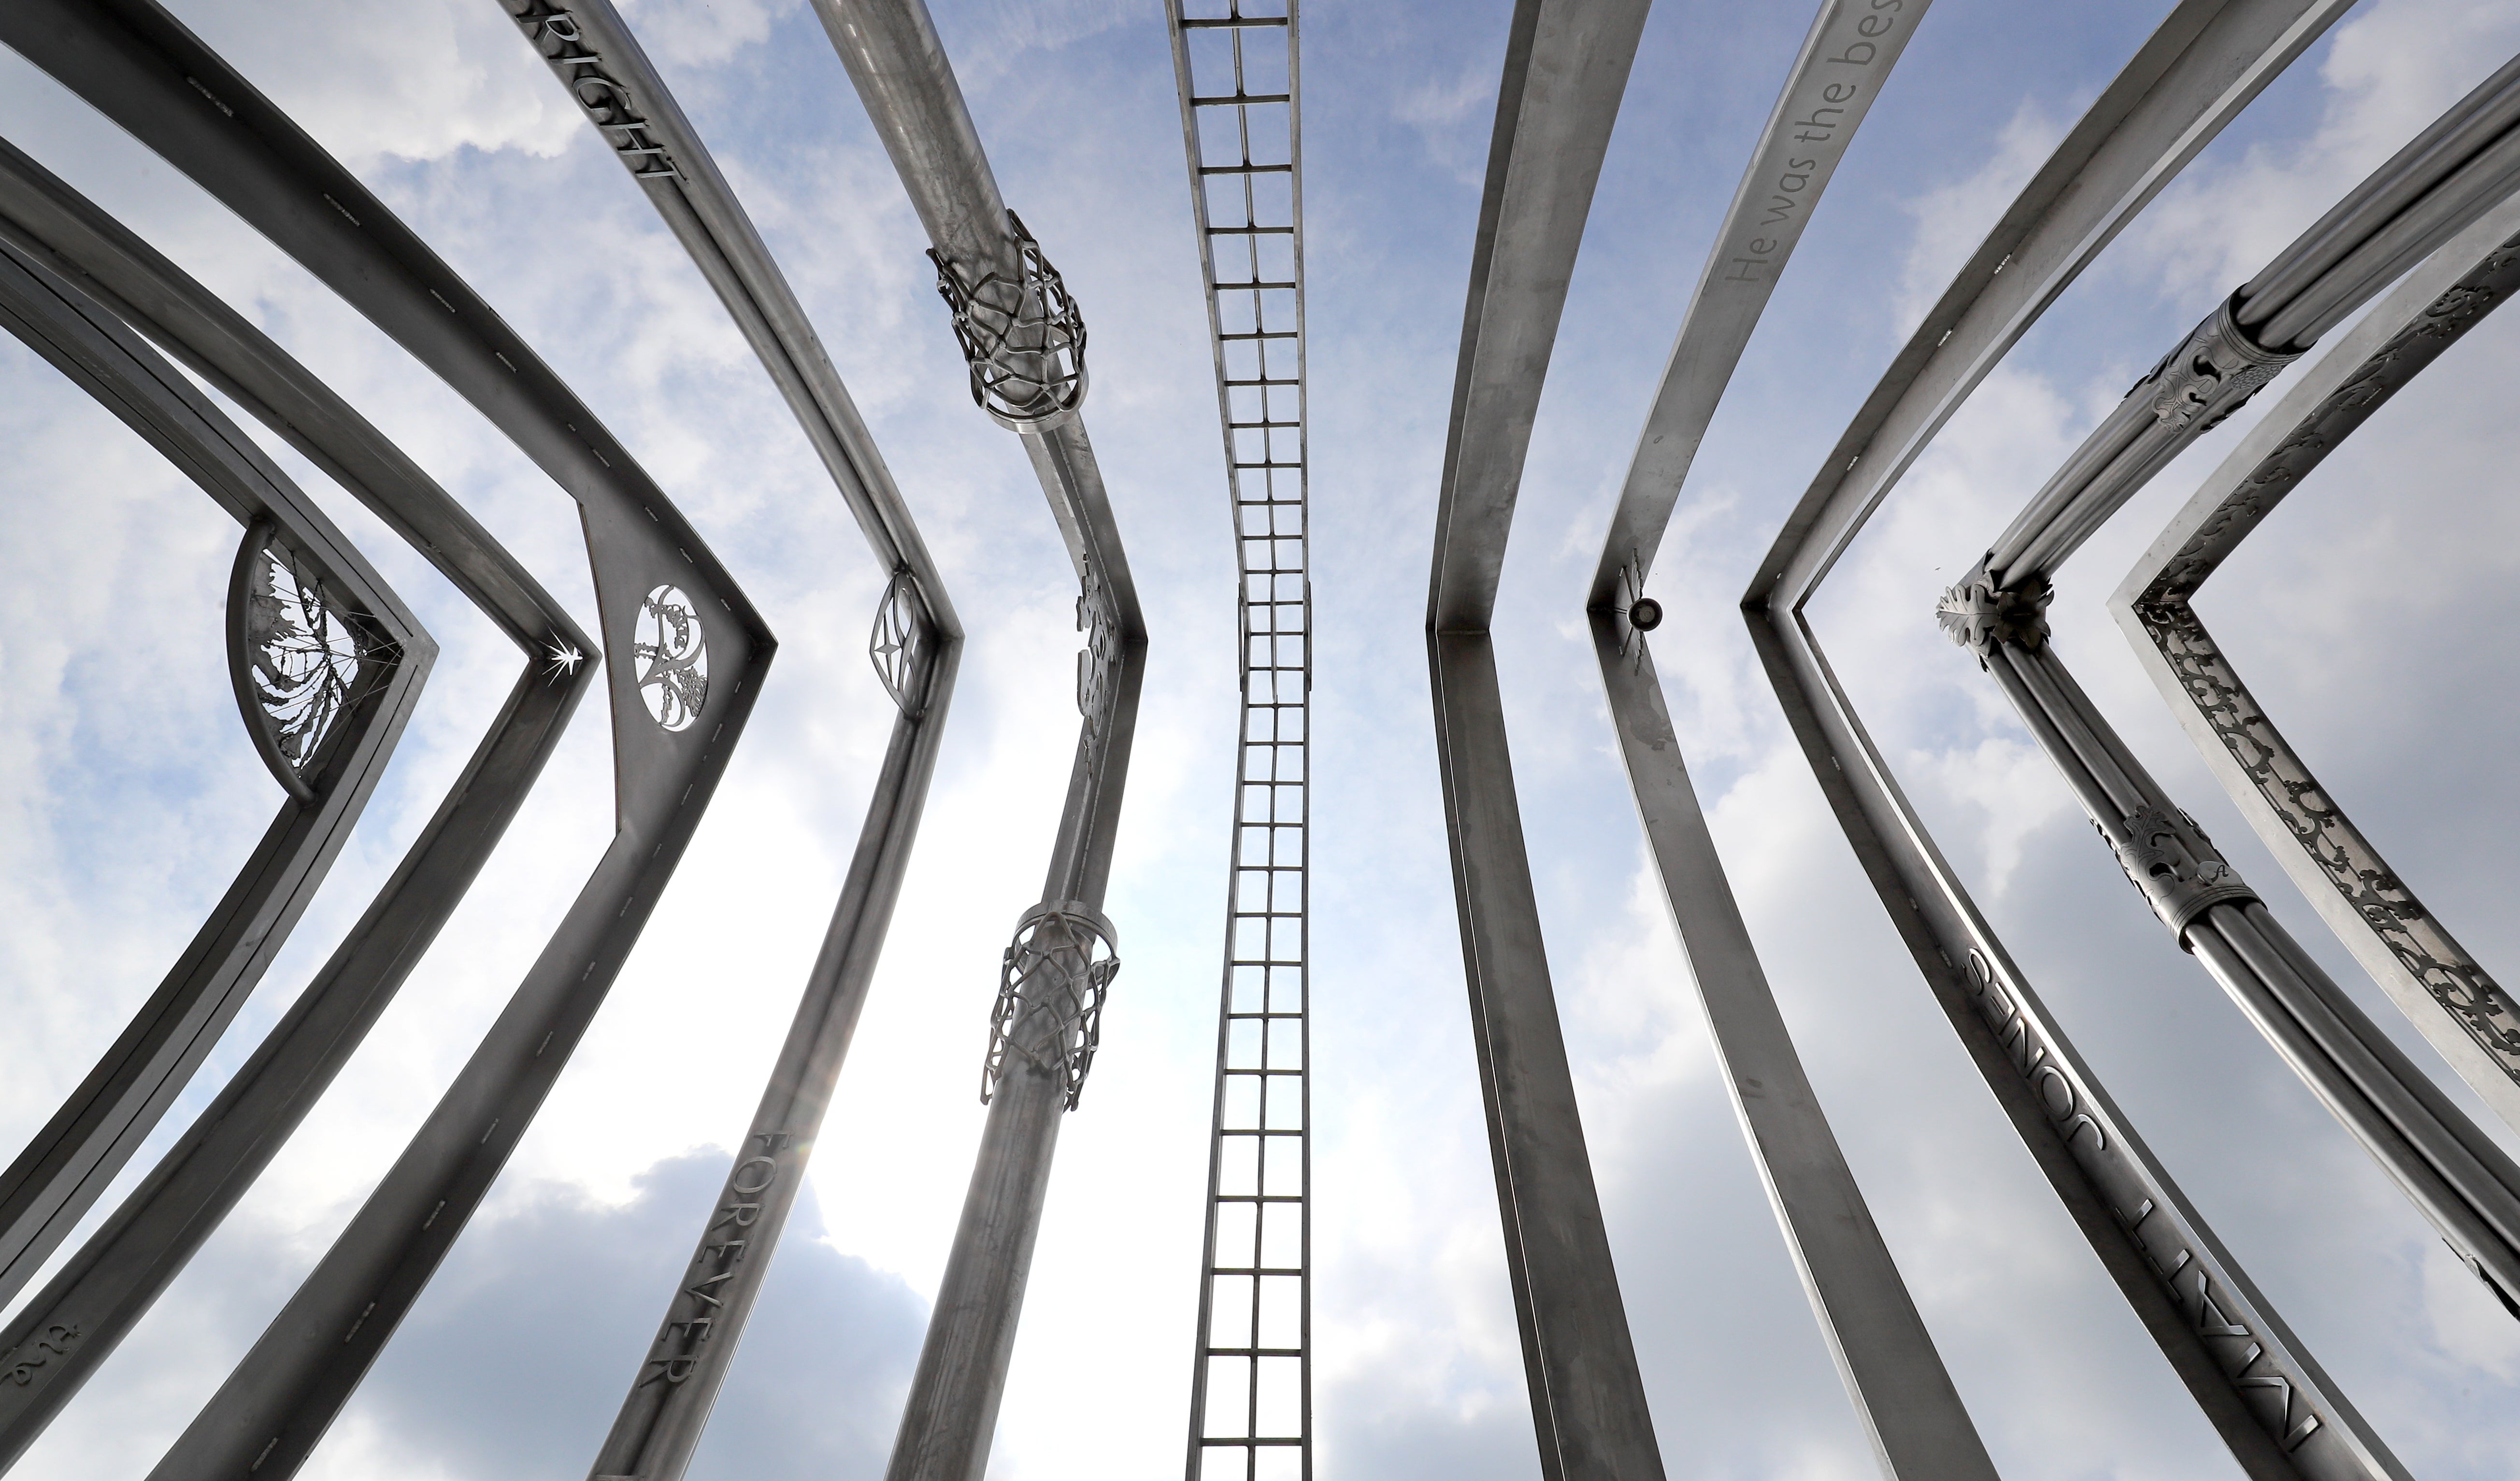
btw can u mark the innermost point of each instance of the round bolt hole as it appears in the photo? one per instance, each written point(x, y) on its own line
point(1645, 614)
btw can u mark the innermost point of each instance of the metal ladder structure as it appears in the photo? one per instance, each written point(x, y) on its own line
point(1252, 1385)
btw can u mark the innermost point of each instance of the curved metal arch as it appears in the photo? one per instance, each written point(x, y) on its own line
point(117, 1274)
point(65, 1166)
point(138, 66)
point(2272, 1404)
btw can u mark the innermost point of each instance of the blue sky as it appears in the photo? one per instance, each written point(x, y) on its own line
point(131, 797)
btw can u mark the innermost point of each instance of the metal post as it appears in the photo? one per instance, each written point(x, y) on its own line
point(2437, 186)
point(1565, 69)
point(1025, 341)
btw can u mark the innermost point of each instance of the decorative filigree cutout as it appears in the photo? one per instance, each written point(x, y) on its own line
point(898, 645)
point(1050, 987)
point(304, 656)
point(673, 658)
point(1098, 666)
point(1024, 340)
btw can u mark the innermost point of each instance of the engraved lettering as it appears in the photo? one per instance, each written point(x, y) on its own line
point(769, 1174)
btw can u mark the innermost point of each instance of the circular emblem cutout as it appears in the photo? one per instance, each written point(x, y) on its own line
point(673, 658)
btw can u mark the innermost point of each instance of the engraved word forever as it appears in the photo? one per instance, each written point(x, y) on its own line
point(554, 31)
point(679, 1347)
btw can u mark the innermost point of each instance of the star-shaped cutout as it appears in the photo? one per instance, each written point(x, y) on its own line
point(562, 659)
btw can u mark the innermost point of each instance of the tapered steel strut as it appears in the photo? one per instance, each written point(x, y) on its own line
point(1237, 66)
point(1025, 341)
point(1901, 1392)
point(1566, 67)
point(2449, 176)
point(2273, 1406)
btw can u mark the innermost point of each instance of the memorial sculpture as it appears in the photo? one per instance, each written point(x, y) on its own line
point(327, 664)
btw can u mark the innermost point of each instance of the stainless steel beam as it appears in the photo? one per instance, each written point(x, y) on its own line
point(1893, 1373)
point(987, 265)
point(2472, 1019)
point(2262, 1392)
point(1588, 1400)
point(1566, 70)
point(1567, 66)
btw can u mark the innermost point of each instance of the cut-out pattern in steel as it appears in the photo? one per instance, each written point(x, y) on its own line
point(1050, 995)
point(1024, 338)
point(1098, 664)
point(303, 655)
point(673, 658)
point(2420, 949)
point(898, 645)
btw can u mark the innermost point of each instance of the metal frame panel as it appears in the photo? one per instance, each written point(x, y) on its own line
point(68, 1164)
point(115, 1277)
point(2450, 175)
point(597, 58)
point(2267, 1398)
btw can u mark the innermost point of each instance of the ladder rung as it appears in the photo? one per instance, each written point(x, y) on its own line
point(1222, 22)
point(1241, 284)
point(1261, 334)
point(1239, 100)
point(1255, 1270)
point(1253, 1351)
point(1246, 170)
point(1251, 231)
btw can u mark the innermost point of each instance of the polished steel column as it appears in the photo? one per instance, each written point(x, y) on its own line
point(1024, 341)
point(1565, 69)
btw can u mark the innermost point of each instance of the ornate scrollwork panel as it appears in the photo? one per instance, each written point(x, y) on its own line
point(1051, 986)
point(302, 656)
point(673, 658)
point(1024, 337)
point(899, 644)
